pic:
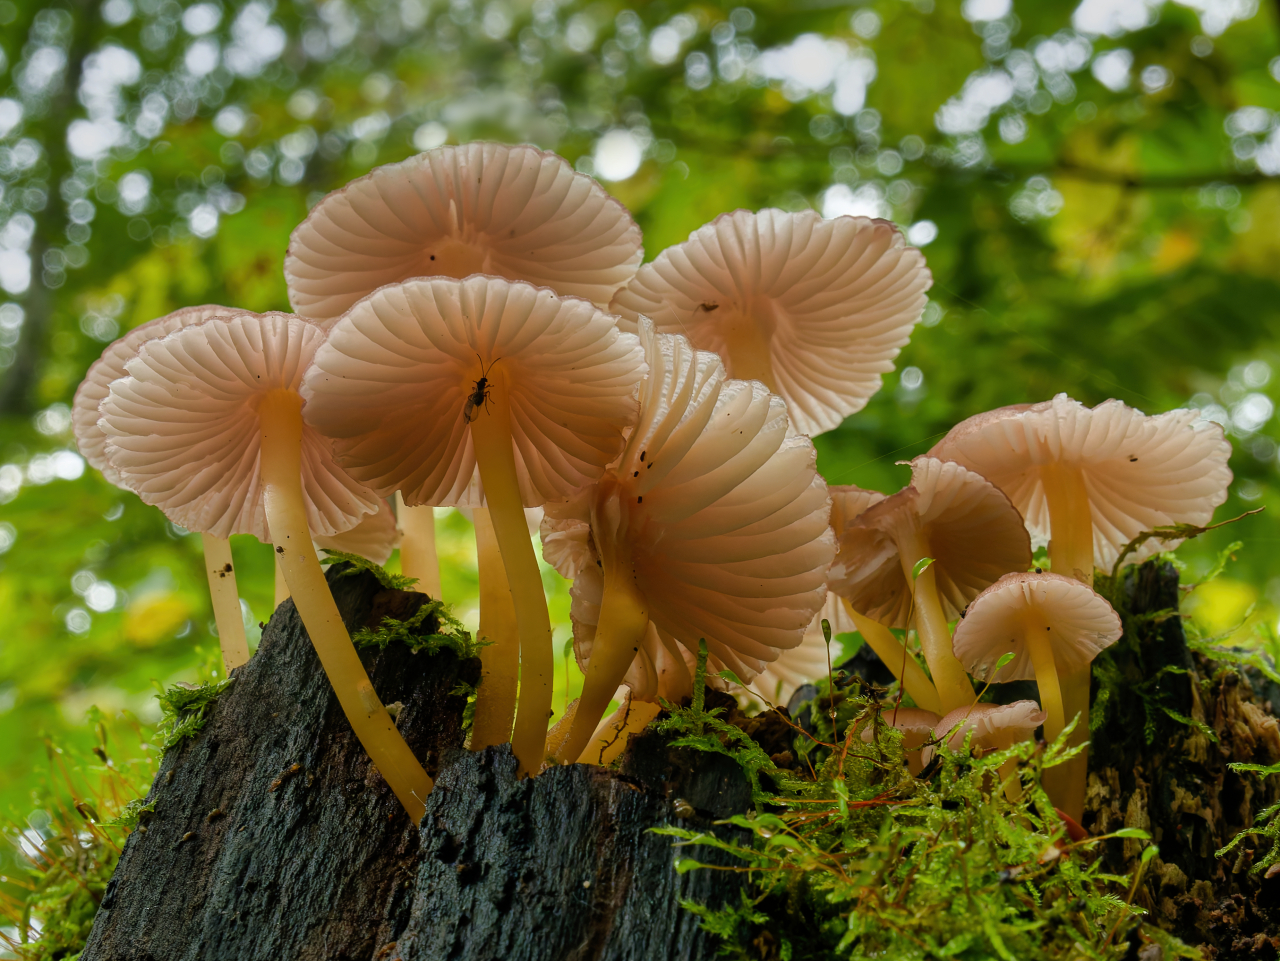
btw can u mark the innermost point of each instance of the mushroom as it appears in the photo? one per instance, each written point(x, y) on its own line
point(713, 524)
point(423, 383)
point(815, 309)
point(917, 729)
point(924, 553)
point(374, 538)
point(806, 662)
point(219, 568)
point(995, 727)
point(1089, 481)
point(1055, 626)
point(846, 504)
point(208, 427)
point(514, 212)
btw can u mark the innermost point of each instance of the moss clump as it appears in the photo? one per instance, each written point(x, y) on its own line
point(392, 582)
point(186, 708)
point(854, 858)
point(449, 634)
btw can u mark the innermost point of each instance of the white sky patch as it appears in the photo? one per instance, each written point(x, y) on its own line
point(617, 155)
point(983, 93)
point(868, 200)
point(982, 10)
point(815, 64)
point(1112, 69)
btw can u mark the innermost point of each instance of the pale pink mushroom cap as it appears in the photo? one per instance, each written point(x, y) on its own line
point(391, 385)
point(514, 212)
point(1081, 623)
point(990, 724)
point(909, 720)
point(182, 428)
point(831, 303)
point(1140, 471)
point(725, 515)
point(808, 661)
point(973, 533)
point(374, 538)
point(110, 366)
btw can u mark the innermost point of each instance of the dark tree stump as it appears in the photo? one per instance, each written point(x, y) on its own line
point(311, 855)
point(274, 840)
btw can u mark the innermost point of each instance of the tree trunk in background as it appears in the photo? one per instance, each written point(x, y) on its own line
point(273, 839)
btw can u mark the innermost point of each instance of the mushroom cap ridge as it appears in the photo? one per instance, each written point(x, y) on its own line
point(110, 366)
point(728, 529)
point(974, 535)
point(1140, 471)
point(391, 386)
point(834, 300)
point(1082, 623)
point(513, 211)
point(183, 427)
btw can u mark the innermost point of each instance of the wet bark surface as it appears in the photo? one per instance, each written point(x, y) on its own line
point(1167, 722)
point(273, 838)
point(272, 835)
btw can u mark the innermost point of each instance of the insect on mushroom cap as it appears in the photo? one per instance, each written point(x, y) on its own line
point(183, 428)
point(511, 211)
point(1081, 624)
point(393, 382)
point(1140, 471)
point(816, 308)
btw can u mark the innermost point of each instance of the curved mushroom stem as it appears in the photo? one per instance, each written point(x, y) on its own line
point(611, 735)
point(500, 661)
point(282, 588)
point(418, 546)
point(495, 457)
point(226, 600)
point(1070, 522)
point(280, 417)
point(624, 617)
point(1072, 781)
point(893, 654)
point(1039, 641)
point(949, 676)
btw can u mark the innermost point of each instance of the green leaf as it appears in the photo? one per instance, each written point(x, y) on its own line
point(919, 567)
point(727, 675)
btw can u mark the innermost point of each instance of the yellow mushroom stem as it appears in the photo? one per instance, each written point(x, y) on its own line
point(418, 546)
point(1070, 522)
point(226, 600)
point(280, 418)
point(610, 736)
point(282, 588)
point(949, 676)
point(748, 352)
point(495, 458)
point(894, 655)
point(500, 660)
point(624, 618)
point(1070, 554)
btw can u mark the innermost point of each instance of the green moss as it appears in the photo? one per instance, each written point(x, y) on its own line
point(858, 859)
point(394, 582)
point(186, 708)
point(450, 635)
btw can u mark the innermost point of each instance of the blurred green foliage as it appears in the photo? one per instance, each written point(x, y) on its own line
point(1093, 184)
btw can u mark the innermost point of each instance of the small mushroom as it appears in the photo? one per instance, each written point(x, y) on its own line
point(422, 384)
point(846, 504)
point(1088, 481)
point(219, 568)
point(995, 727)
point(924, 553)
point(208, 427)
point(806, 662)
point(1054, 626)
point(815, 309)
point(712, 525)
point(916, 727)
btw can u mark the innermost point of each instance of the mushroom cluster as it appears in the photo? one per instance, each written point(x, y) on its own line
point(473, 328)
